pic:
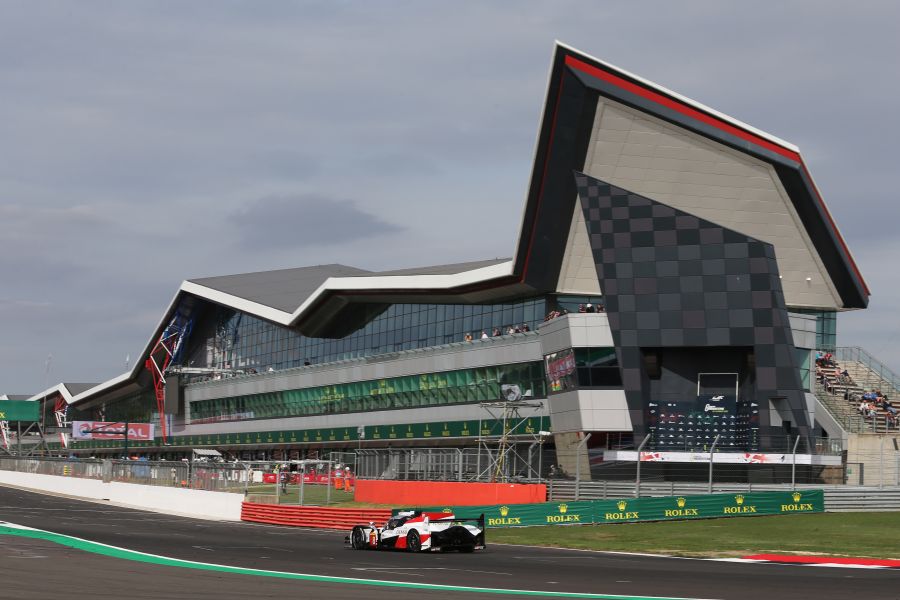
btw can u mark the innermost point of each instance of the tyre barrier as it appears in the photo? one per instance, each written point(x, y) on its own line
point(319, 517)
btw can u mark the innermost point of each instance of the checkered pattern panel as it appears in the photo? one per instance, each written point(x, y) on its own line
point(671, 279)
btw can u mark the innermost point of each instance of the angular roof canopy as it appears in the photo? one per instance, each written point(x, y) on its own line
point(332, 300)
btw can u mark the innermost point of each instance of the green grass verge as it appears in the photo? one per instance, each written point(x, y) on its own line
point(313, 495)
point(870, 535)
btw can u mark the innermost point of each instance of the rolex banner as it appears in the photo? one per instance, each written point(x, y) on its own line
point(625, 510)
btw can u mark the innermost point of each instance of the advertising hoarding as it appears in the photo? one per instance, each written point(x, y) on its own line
point(111, 430)
point(629, 510)
point(19, 410)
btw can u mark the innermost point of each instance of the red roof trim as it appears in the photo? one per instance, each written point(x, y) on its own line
point(721, 125)
point(680, 107)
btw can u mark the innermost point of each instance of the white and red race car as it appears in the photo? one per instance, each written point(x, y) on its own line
point(417, 531)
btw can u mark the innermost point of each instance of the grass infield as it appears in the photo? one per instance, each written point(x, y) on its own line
point(869, 535)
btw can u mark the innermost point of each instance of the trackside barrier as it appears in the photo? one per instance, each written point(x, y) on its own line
point(311, 516)
point(630, 510)
point(407, 493)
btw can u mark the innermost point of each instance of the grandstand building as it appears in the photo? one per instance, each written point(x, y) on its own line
point(674, 271)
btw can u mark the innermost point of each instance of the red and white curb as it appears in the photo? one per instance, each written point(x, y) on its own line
point(824, 561)
point(770, 559)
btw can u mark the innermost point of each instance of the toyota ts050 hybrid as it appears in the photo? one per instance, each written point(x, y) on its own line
point(417, 531)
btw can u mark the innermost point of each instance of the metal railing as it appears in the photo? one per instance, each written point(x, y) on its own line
point(857, 354)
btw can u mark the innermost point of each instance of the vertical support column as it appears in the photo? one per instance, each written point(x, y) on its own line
point(794, 464)
point(637, 475)
point(712, 452)
point(578, 465)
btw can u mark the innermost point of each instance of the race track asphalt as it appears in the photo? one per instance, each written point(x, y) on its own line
point(46, 570)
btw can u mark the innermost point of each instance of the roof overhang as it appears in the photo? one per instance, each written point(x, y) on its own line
point(576, 82)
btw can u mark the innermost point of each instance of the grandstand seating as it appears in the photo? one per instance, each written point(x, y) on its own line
point(841, 395)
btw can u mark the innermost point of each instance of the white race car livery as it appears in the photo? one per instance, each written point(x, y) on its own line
point(417, 531)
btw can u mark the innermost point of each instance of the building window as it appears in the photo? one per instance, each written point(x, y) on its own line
point(432, 389)
point(826, 327)
point(226, 339)
point(576, 368)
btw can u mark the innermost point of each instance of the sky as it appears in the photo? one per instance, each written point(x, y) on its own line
point(144, 143)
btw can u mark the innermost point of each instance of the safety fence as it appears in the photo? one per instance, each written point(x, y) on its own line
point(631, 510)
point(218, 477)
point(279, 482)
point(489, 463)
point(309, 516)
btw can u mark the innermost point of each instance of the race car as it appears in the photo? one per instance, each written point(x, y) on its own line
point(417, 531)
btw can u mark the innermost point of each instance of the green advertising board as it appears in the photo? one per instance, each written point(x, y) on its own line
point(631, 510)
point(19, 410)
point(400, 431)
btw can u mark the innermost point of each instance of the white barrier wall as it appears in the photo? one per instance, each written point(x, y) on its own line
point(220, 506)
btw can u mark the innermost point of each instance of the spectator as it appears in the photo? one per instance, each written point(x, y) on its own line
point(525, 327)
point(484, 335)
point(468, 337)
point(497, 332)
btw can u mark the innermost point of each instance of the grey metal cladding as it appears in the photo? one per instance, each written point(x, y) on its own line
point(282, 289)
point(77, 388)
point(727, 293)
point(451, 269)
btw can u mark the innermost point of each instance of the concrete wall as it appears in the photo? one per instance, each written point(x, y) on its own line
point(873, 459)
point(576, 330)
point(219, 506)
point(589, 410)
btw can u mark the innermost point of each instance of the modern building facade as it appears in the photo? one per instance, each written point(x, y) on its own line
point(673, 270)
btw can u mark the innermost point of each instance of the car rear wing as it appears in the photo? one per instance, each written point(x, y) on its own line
point(455, 519)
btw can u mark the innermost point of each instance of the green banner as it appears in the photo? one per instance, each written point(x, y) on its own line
point(630, 510)
point(19, 410)
point(400, 431)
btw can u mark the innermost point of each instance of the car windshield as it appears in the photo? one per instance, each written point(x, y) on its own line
point(396, 522)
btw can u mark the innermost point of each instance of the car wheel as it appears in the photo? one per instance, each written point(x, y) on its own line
point(358, 539)
point(413, 541)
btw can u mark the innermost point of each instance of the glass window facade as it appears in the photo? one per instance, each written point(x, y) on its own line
point(803, 360)
point(135, 408)
point(433, 389)
point(572, 303)
point(826, 327)
point(227, 339)
point(582, 368)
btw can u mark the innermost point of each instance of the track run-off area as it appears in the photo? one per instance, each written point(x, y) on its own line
point(51, 546)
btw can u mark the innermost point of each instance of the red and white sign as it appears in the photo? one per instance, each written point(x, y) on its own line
point(720, 457)
point(111, 430)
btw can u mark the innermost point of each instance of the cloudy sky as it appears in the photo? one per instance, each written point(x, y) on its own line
point(143, 143)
